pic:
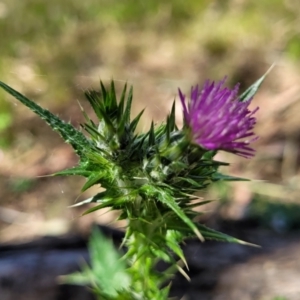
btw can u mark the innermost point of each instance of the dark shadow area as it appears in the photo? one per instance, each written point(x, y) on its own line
point(217, 270)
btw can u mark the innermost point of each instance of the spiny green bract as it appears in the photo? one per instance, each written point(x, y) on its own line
point(160, 165)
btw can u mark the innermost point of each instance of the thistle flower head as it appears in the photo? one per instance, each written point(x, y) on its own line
point(218, 120)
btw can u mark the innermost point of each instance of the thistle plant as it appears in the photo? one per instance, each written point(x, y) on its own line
point(152, 179)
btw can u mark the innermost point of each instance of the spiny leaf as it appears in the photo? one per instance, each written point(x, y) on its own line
point(160, 252)
point(219, 176)
point(93, 132)
point(93, 98)
point(151, 135)
point(80, 171)
point(109, 199)
point(113, 203)
point(139, 144)
point(168, 200)
point(97, 207)
point(199, 203)
point(102, 108)
point(192, 182)
point(183, 273)
point(93, 179)
point(172, 117)
point(127, 110)
point(103, 90)
point(95, 158)
point(168, 132)
point(135, 121)
point(209, 233)
point(87, 118)
point(252, 90)
point(86, 201)
point(173, 245)
point(125, 120)
point(107, 274)
point(121, 104)
point(97, 198)
point(216, 235)
point(69, 133)
point(112, 98)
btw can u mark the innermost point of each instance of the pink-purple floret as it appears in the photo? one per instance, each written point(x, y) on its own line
point(219, 120)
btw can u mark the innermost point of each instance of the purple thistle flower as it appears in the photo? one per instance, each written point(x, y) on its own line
point(218, 120)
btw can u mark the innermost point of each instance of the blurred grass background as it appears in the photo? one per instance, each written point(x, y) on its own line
point(52, 51)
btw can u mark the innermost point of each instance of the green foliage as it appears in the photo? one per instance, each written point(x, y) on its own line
point(151, 178)
point(252, 90)
point(107, 274)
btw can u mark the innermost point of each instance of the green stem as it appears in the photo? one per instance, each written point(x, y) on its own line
point(146, 280)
